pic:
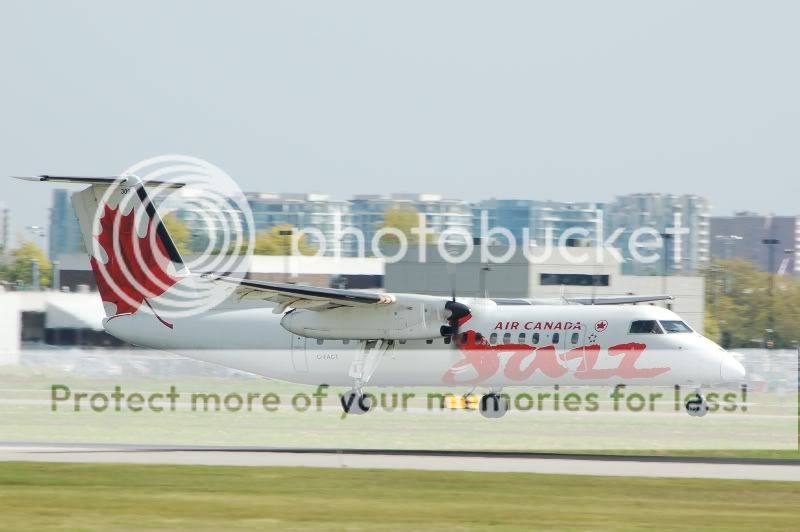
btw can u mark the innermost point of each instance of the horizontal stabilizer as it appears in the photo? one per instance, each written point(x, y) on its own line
point(92, 180)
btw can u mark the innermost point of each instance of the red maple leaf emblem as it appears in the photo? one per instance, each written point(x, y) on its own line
point(601, 325)
point(133, 273)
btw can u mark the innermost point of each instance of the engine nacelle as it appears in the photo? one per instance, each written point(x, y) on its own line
point(417, 319)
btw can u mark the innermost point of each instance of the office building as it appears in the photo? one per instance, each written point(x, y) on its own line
point(64, 233)
point(540, 222)
point(685, 217)
point(303, 211)
point(441, 214)
point(742, 236)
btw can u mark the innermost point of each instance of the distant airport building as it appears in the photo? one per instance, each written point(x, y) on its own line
point(337, 272)
point(742, 236)
point(685, 217)
point(10, 327)
point(64, 233)
point(539, 221)
point(545, 276)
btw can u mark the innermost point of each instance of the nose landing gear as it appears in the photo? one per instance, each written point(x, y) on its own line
point(493, 405)
point(697, 406)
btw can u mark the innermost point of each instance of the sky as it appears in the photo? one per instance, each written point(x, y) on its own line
point(562, 100)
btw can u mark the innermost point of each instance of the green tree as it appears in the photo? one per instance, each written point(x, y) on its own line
point(278, 241)
point(711, 328)
point(178, 231)
point(738, 305)
point(404, 219)
point(787, 311)
point(19, 267)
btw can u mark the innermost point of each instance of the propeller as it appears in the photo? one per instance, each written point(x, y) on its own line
point(456, 313)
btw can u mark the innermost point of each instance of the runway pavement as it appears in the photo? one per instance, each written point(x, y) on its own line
point(548, 463)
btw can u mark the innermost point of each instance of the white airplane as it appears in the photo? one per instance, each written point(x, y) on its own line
point(311, 335)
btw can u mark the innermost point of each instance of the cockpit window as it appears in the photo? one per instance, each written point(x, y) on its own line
point(645, 327)
point(675, 326)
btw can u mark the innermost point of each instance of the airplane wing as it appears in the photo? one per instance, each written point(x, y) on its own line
point(617, 300)
point(301, 296)
point(584, 300)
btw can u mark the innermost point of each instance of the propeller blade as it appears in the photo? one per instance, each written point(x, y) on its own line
point(451, 274)
point(457, 314)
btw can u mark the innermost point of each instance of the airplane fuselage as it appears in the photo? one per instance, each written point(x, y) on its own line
point(499, 346)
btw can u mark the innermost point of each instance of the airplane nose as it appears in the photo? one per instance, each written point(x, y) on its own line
point(731, 370)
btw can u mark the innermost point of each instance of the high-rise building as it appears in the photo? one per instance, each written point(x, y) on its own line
point(531, 221)
point(741, 236)
point(511, 214)
point(561, 221)
point(685, 217)
point(65, 232)
point(211, 225)
point(338, 221)
point(304, 211)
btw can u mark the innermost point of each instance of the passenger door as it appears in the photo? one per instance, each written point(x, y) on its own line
point(572, 349)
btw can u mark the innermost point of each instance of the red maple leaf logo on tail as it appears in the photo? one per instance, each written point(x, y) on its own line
point(132, 274)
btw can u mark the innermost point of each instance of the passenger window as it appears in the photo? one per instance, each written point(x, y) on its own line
point(401, 341)
point(521, 339)
point(675, 326)
point(345, 342)
point(320, 341)
point(556, 337)
point(645, 327)
point(493, 338)
point(429, 341)
point(535, 338)
point(507, 338)
point(574, 339)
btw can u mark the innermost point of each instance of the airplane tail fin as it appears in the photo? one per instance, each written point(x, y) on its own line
point(132, 255)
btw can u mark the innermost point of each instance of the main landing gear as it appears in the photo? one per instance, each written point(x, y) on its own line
point(696, 405)
point(493, 405)
point(361, 370)
point(356, 402)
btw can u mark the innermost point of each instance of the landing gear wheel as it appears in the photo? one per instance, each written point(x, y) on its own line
point(493, 405)
point(697, 406)
point(355, 402)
